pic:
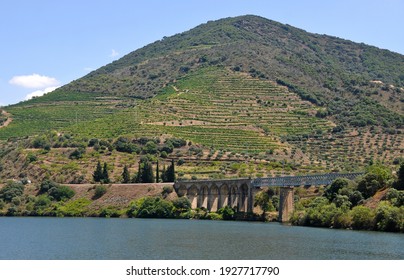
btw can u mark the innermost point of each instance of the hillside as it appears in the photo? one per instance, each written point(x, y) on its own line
point(250, 97)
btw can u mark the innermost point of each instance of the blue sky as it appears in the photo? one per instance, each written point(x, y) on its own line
point(47, 43)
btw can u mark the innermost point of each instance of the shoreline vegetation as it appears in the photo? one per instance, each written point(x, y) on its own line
point(373, 202)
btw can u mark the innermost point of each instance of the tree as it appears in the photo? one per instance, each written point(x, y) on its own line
point(145, 171)
point(164, 174)
point(98, 175)
point(125, 175)
point(157, 173)
point(169, 175)
point(369, 185)
point(105, 176)
point(399, 184)
point(262, 200)
point(332, 190)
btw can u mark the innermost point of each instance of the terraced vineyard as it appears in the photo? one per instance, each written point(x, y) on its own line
point(217, 108)
point(57, 111)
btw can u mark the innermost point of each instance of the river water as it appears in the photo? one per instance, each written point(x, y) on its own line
point(40, 238)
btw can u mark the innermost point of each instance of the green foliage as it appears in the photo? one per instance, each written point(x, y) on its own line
point(31, 158)
point(74, 208)
point(370, 184)
point(169, 174)
point(395, 197)
point(11, 190)
point(389, 218)
point(145, 172)
point(109, 212)
point(149, 207)
point(77, 153)
point(99, 191)
point(150, 148)
point(262, 200)
point(214, 216)
point(226, 212)
point(61, 193)
point(182, 203)
point(332, 190)
point(105, 176)
point(399, 183)
point(362, 218)
point(123, 144)
point(382, 172)
point(97, 175)
point(42, 202)
point(125, 175)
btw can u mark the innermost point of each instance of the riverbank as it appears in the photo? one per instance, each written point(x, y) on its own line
point(381, 212)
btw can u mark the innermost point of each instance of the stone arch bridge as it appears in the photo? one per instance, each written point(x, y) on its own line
point(239, 193)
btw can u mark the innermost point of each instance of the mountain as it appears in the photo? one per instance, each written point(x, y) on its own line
point(247, 94)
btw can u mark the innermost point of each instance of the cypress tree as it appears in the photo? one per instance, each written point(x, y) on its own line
point(164, 174)
point(125, 175)
point(171, 172)
point(105, 176)
point(139, 173)
point(97, 175)
point(157, 173)
point(147, 173)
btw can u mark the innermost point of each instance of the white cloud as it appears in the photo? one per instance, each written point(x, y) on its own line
point(88, 69)
point(38, 93)
point(34, 81)
point(114, 53)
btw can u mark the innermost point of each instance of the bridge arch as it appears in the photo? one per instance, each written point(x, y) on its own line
point(192, 195)
point(213, 198)
point(224, 195)
point(243, 198)
point(203, 197)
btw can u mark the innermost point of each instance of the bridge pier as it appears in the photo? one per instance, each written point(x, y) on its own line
point(286, 204)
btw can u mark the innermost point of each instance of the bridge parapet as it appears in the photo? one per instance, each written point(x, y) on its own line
point(306, 180)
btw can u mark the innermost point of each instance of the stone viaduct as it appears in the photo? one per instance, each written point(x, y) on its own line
point(239, 193)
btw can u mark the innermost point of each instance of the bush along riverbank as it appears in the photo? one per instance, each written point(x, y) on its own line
point(374, 202)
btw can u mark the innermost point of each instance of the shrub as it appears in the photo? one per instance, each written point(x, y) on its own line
point(75, 208)
point(42, 202)
point(77, 153)
point(109, 212)
point(150, 148)
point(227, 213)
point(362, 218)
point(31, 157)
point(11, 190)
point(167, 190)
point(182, 203)
point(370, 184)
point(388, 218)
point(46, 185)
point(332, 190)
point(149, 207)
point(61, 193)
point(99, 191)
point(214, 216)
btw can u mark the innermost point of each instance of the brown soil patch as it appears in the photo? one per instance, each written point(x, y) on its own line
point(374, 201)
point(117, 195)
point(8, 121)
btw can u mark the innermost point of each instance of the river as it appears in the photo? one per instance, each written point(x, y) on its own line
point(30, 238)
